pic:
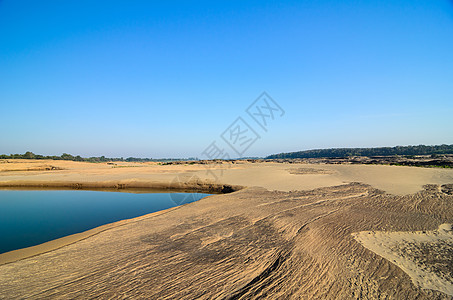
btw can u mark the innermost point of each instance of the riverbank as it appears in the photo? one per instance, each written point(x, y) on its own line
point(214, 177)
point(289, 234)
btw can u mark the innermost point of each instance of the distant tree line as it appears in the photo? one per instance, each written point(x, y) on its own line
point(380, 151)
point(66, 156)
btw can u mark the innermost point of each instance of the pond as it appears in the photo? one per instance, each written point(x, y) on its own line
point(32, 217)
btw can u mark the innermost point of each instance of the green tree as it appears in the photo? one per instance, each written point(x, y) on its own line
point(29, 155)
point(67, 156)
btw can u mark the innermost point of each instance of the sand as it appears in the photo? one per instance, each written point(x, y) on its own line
point(292, 231)
point(426, 256)
point(396, 180)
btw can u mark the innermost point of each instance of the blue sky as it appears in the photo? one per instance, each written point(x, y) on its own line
point(166, 78)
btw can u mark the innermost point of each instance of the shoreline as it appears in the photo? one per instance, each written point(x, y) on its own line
point(122, 186)
point(28, 252)
point(186, 182)
point(272, 234)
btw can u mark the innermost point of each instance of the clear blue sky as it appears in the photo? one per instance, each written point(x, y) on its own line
point(166, 78)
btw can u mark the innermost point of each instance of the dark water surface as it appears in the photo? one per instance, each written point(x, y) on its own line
point(29, 218)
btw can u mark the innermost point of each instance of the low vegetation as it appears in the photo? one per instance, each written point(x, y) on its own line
point(65, 156)
point(380, 151)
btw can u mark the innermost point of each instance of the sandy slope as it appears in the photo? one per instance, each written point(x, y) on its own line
point(260, 242)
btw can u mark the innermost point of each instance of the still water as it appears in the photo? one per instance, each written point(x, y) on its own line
point(29, 218)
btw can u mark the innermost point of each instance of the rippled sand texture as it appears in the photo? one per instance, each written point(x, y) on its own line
point(426, 256)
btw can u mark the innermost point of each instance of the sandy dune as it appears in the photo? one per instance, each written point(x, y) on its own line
point(291, 233)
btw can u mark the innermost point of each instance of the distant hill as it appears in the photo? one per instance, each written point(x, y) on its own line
point(380, 151)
